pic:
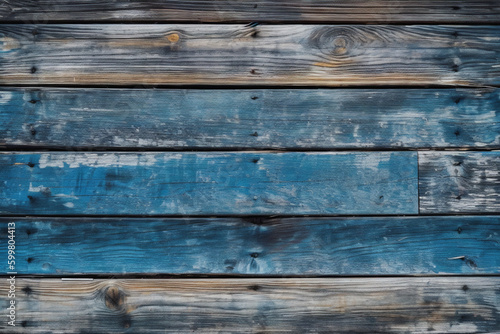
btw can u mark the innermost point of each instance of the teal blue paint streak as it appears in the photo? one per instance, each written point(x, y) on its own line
point(291, 246)
point(209, 183)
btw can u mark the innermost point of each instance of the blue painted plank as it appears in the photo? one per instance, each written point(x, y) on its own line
point(223, 183)
point(249, 118)
point(459, 182)
point(285, 246)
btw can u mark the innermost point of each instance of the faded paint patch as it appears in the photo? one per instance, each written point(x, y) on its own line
point(38, 189)
point(5, 97)
point(9, 44)
point(95, 160)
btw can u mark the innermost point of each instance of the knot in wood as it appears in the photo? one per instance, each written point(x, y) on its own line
point(114, 298)
point(335, 41)
point(173, 37)
point(340, 46)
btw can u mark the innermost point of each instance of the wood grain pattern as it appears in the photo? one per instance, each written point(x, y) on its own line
point(454, 67)
point(409, 11)
point(258, 246)
point(209, 183)
point(338, 305)
point(249, 118)
point(459, 182)
point(236, 54)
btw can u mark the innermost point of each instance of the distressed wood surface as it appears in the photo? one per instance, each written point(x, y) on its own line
point(334, 305)
point(256, 118)
point(459, 182)
point(209, 183)
point(380, 11)
point(247, 54)
point(258, 246)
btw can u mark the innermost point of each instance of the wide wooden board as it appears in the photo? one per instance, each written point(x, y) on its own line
point(328, 305)
point(324, 55)
point(408, 11)
point(249, 118)
point(459, 182)
point(257, 246)
point(222, 183)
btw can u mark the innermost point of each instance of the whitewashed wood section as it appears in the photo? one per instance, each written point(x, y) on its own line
point(459, 182)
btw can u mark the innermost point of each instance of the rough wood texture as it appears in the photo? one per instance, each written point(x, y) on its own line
point(409, 11)
point(209, 183)
point(459, 182)
point(257, 118)
point(361, 305)
point(289, 246)
point(238, 54)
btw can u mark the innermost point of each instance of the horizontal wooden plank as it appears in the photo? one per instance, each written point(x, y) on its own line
point(334, 305)
point(314, 55)
point(443, 11)
point(459, 182)
point(225, 183)
point(249, 118)
point(286, 246)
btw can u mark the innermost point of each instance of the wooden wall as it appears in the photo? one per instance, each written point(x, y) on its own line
point(262, 166)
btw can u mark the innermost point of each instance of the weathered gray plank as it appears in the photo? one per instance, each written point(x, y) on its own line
point(459, 182)
point(286, 246)
point(209, 183)
point(237, 54)
point(256, 118)
point(443, 11)
point(338, 305)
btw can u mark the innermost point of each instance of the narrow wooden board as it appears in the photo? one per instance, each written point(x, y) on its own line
point(335, 305)
point(286, 246)
point(443, 11)
point(461, 182)
point(249, 118)
point(223, 183)
point(290, 55)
